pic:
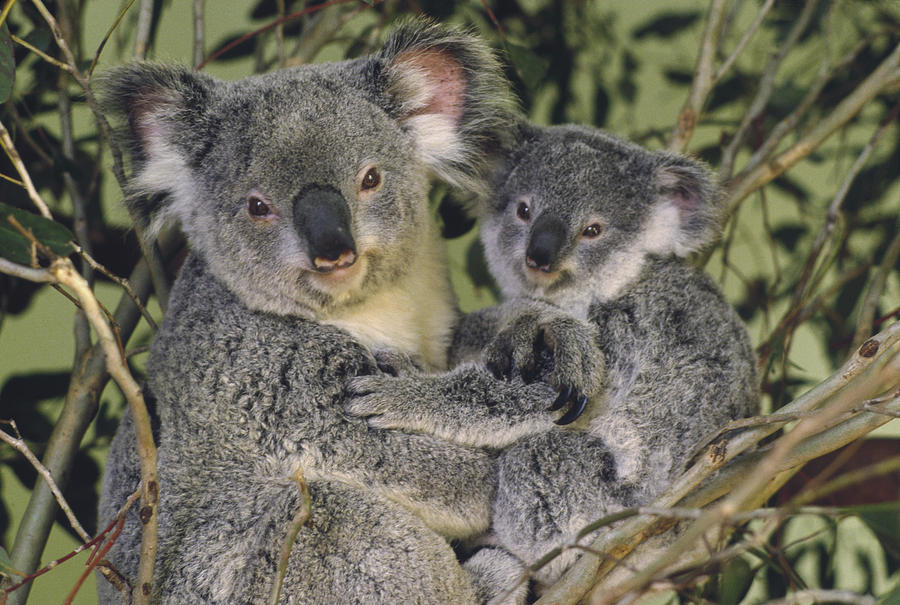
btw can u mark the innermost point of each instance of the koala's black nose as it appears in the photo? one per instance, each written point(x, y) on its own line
point(548, 237)
point(322, 219)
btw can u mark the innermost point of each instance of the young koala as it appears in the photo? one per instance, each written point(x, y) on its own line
point(303, 196)
point(586, 235)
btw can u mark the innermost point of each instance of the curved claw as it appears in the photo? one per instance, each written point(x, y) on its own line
point(574, 412)
point(565, 394)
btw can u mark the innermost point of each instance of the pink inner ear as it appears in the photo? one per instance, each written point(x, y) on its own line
point(146, 111)
point(682, 199)
point(446, 83)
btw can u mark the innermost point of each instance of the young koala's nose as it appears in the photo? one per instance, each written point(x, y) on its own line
point(548, 236)
point(322, 219)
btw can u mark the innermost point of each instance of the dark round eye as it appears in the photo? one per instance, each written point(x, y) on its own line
point(592, 231)
point(523, 211)
point(257, 208)
point(371, 179)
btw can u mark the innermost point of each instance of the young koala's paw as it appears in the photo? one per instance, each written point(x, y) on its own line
point(388, 402)
point(515, 349)
point(570, 345)
point(498, 576)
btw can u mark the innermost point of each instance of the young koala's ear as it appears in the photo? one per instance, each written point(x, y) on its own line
point(157, 110)
point(447, 89)
point(686, 186)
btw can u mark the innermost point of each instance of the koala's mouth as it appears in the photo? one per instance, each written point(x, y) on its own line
point(342, 280)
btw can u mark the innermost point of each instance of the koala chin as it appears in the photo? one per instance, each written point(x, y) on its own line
point(586, 235)
point(303, 195)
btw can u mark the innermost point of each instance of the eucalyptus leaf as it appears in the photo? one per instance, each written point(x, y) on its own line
point(882, 518)
point(6, 566)
point(737, 576)
point(16, 247)
point(530, 67)
point(7, 64)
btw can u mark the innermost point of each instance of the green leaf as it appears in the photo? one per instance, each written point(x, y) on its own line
point(16, 247)
point(530, 67)
point(6, 567)
point(892, 597)
point(735, 581)
point(882, 518)
point(7, 64)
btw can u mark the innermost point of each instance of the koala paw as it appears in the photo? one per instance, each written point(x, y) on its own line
point(395, 363)
point(514, 350)
point(578, 363)
point(386, 402)
point(566, 344)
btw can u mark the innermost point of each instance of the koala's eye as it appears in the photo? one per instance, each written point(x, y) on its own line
point(370, 180)
point(593, 230)
point(523, 211)
point(257, 208)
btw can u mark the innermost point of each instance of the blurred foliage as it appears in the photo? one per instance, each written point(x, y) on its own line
point(624, 68)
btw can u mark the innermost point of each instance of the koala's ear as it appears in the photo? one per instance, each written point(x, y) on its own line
point(158, 111)
point(446, 88)
point(686, 187)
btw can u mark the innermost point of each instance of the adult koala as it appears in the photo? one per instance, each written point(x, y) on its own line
point(303, 196)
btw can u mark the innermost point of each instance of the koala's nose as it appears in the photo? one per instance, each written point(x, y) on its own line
point(322, 219)
point(548, 236)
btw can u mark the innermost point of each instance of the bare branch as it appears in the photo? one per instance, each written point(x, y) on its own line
point(820, 595)
point(199, 32)
point(748, 180)
point(748, 35)
point(19, 445)
point(40, 276)
point(873, 294)
point(19, 165)
point(766, 87)
point(301, 518)
point(142, 35)
point(703, 79)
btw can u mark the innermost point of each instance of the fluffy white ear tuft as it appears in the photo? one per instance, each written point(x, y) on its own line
point(688, 201)
point(430, 86)
point(446, 88)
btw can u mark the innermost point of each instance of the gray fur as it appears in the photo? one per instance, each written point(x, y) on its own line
point(662, 354)
point(249, 366)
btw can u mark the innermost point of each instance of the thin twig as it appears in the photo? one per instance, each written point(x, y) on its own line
point(122, 282)
point(267, 27)
point(106, 38)
point(748, 180)
point(38, 276)
point(821, 595)
point(301, 518)
point(19, 445)
point(199, 45)
point(40, 53)
point(703, 82)
point(875, 289)
point(142, 33)
point(766, 88)
point(748, 35)
point(19, 165)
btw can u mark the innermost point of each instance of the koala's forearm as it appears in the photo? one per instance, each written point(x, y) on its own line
point(448, 486)
point(466, 406)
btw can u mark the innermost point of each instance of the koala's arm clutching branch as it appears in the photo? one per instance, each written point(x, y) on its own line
point(466, 406)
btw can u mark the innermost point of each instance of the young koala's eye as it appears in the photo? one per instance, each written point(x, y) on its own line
point(257, 208)
point(371, 179)
point(523, 211)
point(593, 230)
